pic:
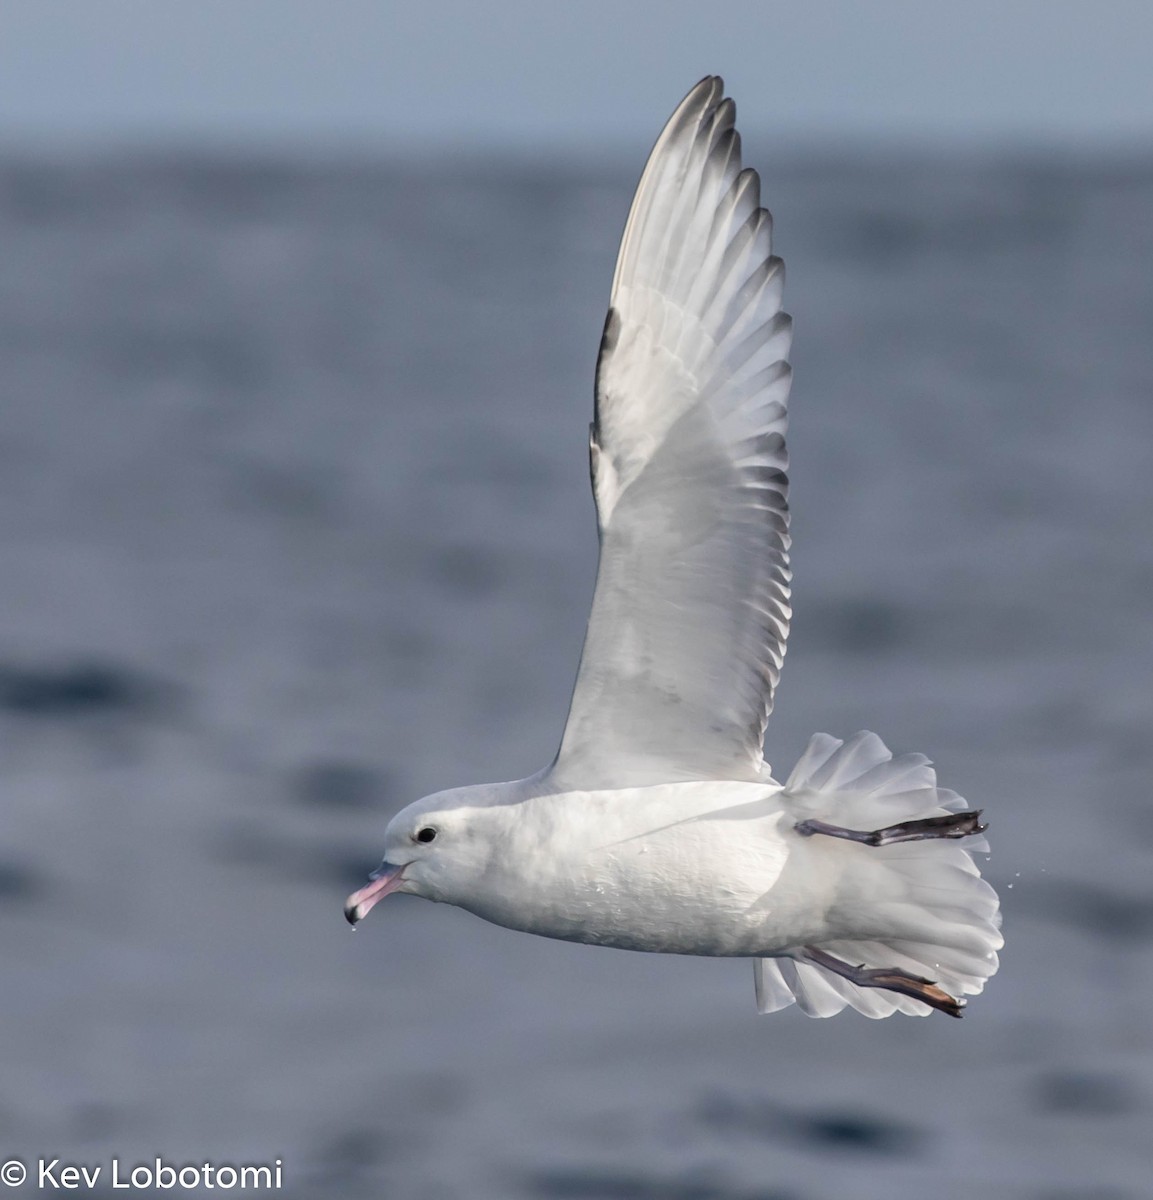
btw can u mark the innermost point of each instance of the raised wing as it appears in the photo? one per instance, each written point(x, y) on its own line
point(691, 611)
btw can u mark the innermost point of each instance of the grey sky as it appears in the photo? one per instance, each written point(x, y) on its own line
point(539, 73)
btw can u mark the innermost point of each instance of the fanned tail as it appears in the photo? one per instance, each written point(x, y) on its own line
point(918, 906)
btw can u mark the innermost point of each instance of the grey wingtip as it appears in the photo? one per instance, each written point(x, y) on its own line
point(705, 94)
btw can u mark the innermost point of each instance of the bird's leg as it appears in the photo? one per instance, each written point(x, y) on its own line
point(952, 825)
point(890, 978)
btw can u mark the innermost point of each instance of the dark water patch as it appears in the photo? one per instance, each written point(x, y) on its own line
point(1091, 908)
point(409, 649)
point(849, 1130)
point(485, 459)
point(221, 188)
point(1031, 220)
point(344, 785)
point(439, 1094)
point(613, 1185)
point(256, 847)
point(856, 1132)
point(242, 843)
point(1088, 1094)
point(352, 1157)
point(76, 690)
point(1139, 818)
point(37, 194)
point(18, 882)
point(878, 240)
point(862, 626)
point(1091, 1191)
point(467, 571)
point(219, 358)
point(95, 1120)
point(283, 491)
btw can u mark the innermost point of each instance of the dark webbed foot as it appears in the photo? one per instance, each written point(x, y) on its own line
point(890, 978)
point(952, 825)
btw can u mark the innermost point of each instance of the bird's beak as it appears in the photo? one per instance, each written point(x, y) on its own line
point(386, 878)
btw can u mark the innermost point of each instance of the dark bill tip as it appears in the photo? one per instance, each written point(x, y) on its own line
point(386, 878)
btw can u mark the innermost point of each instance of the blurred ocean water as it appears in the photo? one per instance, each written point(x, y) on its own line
point(295, 527)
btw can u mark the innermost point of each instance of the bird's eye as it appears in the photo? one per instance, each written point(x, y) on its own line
point(427, 834)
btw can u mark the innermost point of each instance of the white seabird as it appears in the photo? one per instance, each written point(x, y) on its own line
point(659, 825)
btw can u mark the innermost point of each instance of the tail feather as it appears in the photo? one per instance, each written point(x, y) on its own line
point(919, 906)
point(817, 993)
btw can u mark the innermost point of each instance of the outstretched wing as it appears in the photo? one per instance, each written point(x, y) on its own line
point(691, 611)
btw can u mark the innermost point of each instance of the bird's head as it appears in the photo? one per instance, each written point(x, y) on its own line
point(438, 847)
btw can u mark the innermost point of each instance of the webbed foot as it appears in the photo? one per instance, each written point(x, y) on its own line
point(890, 978)
point(951, 825)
